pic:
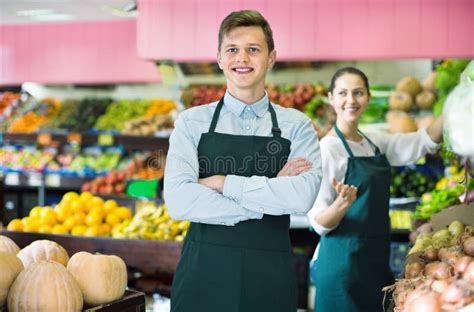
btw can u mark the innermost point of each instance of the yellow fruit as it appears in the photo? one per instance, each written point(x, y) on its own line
point(79, 217)
point(110, 205)
point(112, 219)
point(96, 202)
point(124, 213)
point(15, 225)
point(78, 230)
point(93, 219)
point(69, 196)
point(76, 205)
point(105, 229)
point(48, 216)
point(92, 231)
point(86, 196)
point(30, 224)
point(59, 229)
point(98, 211)
point(69, 223)
point(35, 212)
point(44, 228)
point(62, 212)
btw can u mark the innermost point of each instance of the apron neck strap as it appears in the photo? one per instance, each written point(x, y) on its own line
point(377, 150)
point(341, 137)
point(275, 129)
point(215, 117)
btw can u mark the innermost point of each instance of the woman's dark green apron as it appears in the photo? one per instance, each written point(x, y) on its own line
point(353, 260)
point(247, 267)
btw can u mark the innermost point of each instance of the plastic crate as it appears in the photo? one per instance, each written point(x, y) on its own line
point(398, 253)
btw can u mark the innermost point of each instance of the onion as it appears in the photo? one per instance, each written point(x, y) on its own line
point(414, 269)
point(439, 286)
point(469, 273)
point(442, 253)
point(461, 264)
point(465, 235)
point(442, 271)
point(468, 246)
point(456, 228)
point(431, 254)
point(426, 303)
point(452, 294)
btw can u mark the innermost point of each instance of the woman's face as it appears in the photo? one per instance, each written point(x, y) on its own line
point(349, 98)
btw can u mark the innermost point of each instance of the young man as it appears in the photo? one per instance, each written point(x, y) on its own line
point(228, 173)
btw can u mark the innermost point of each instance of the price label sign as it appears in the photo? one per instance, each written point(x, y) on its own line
point(53, 180)
point(105, 139)
point(12, 178)
point(74, 137)
point(35, 179)
point(44, 139)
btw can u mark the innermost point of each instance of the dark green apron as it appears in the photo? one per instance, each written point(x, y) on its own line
point(247, 267)
point(353, 261)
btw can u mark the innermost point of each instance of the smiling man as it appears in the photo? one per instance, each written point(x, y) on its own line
point(237, 169)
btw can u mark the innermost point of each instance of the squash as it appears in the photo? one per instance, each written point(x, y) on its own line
point(409, 84)
point(8, 245)
point(45, 286)
point(10, 267)
point(43, 250)
point(425, 100)
point(403, 123)
point(102, 278)
point(400, 100)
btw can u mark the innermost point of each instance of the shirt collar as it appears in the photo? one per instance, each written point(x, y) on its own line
point(237, 107)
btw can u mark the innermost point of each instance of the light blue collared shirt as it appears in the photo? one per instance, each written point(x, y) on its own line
point(243, 198)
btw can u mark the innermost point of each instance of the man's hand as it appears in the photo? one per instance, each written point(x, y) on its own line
point(295, 167)
point(215, 182)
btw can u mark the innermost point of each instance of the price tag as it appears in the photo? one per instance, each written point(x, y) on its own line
point(34, 179)
point(44, 139)
point(105, 139)
point(53, 180)
point(74, 137)
point(12, 178)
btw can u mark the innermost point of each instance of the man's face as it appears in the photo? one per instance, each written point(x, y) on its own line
point(244, 58)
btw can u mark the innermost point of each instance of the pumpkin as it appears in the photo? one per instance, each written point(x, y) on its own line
point(10, 267)
point(402, 124)
point(409, 84)
point(45, 286)
point(102, 278)
point(8, 245)
point(43, 250)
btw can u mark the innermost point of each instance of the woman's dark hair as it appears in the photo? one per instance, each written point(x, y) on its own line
point(348, 70)
point(246, 18)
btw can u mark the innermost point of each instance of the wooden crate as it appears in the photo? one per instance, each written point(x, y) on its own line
point(145, 256)
point(132, 301)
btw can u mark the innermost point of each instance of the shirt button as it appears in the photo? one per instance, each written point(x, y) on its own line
point(248, 108)
point(222, 223)
point(261, 209)
point(247, 127)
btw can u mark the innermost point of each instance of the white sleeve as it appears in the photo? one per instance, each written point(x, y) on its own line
point(334, 165)
point(404, 148)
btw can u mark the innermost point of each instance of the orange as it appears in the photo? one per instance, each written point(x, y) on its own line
point(93, 219)
point(79, 230)
point(59, 229)
point(15, 225)
point(98, 210)
point(124, 213)
point(96, 202)
point(86, 196)
point(48, 216)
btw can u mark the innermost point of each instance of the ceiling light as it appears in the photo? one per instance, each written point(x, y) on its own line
point(53, 17)
point(36, 12)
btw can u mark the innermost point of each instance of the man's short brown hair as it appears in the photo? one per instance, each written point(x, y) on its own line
point(246, 18)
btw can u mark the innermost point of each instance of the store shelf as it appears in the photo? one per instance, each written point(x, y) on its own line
point(22, 180)
point(145, 256)
point(127, 141)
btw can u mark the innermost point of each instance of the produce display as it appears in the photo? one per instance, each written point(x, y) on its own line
point(121, 111)
point(152, 222)
point(82, 281)
point(33, 118)
point(8, 102)
point(77, 214)
point(439, 274)
point(196, 95)
point(400, 219)
point(409, 183)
